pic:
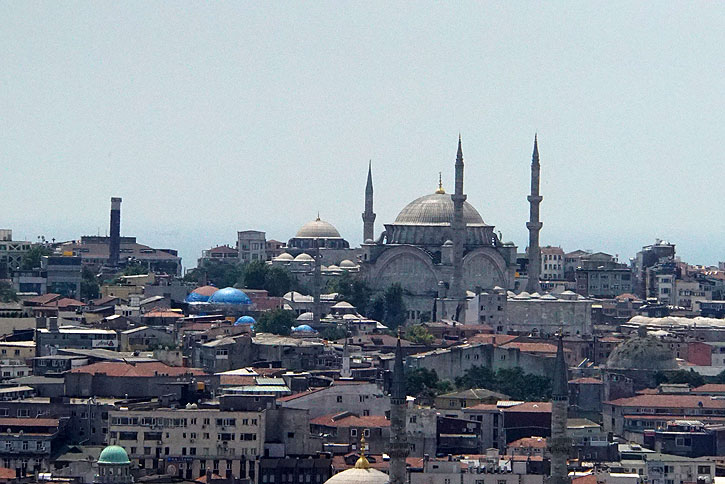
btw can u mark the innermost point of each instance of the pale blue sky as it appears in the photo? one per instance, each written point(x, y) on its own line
point(212, 117)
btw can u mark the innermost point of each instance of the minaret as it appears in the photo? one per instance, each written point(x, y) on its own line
point(368, 215)
point(559, 442)
point(534, 225)
point(398, 449)
point(458, 228)
point(114, 241)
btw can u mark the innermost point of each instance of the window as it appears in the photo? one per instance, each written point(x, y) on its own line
point(339, 399)
point(353, 432)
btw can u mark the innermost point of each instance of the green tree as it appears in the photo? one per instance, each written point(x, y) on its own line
point(352, 290)
point(333, 333)
point(277, 321)
point(376, 308)
point(394, 306)
point(419, 334)
point(90, 288)
point(513, 382)
point(135, 269)
point(31, 259)
point(277, 281)
point(255, 274)
point(7, 292)
point(420, 382)
point(690, 377)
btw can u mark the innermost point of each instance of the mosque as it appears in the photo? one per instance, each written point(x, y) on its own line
point(438, 248)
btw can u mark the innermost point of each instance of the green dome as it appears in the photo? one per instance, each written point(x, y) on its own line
point(113, 454)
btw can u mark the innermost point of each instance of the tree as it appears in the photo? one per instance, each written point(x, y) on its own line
point(90, 288)
point(333, 333)
point(421, 382)
point(376, 308)
point(135, 269)
point(277, 281)
point(352, 290)
point(394, 306)
point(31, 259)
point(691, 377)
point(277, 321)
point(419, 334)
point(7, 292)
point(513, 382)
point(219, 274)
point(255, 274)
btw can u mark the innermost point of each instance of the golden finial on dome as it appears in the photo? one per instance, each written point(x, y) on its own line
point(362, 462)
point(318, 216)
point(440, 184)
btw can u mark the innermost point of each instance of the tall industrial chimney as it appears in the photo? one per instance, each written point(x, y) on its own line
point(114, 245)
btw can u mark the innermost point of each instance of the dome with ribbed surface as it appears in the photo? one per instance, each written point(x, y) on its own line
point(245, 320)
point(436, 209)
point(318, 229)
point(229, 295)
point(113, 454)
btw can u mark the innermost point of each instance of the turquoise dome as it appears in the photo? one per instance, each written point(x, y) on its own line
point(304, 328)
point(114, 454)
point(229, 295)
point(245, 320)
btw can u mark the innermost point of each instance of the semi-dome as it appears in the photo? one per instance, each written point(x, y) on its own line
point(245, 320)
point(436, 209)
point(113, 454)
point(304, 258)
point(642, 353)
point(318, 229)
point(347, 264)
point(230, 295)
point(284, 256)
point(201, 294)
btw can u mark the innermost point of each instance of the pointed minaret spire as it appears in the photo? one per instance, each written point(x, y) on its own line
point(534, 224)
point(458, 230)
point(559, 443)
point(368, 215)
point(398, 449)
point(440, 190)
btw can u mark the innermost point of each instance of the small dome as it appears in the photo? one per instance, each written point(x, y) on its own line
point(304, 258)
point(308, 316)
point(318, 229)
point(369, 241)
point(333, 268)
point(348, 264)
point(245, 320)
point(303, 328)
point(113, 454)
point(343, 305)
point(201, 294)
point(642, 353)
point(229, 295)
point(523, 295)
point(284, 256)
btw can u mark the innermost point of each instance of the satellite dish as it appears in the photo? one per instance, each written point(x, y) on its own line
point(171, 469)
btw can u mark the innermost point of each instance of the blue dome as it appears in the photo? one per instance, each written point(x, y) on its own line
point(305, 328)
point(195, 297)
point(245, 320)
point(229, 295)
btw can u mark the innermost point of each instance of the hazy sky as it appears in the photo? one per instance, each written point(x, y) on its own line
point(212, 117)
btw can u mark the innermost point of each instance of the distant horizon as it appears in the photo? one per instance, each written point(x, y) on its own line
point(212, 118)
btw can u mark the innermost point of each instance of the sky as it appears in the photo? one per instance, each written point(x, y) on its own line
point(208, 118)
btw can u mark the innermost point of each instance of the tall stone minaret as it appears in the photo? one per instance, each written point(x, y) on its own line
point(368, 215)
point(114, 241)
point(559, 442)
point(534, 224)
point(398, 450)
point(457, 291)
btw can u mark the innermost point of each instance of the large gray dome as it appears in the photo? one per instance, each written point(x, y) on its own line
point(318, 229)
point(436, 209)
point(642, 353)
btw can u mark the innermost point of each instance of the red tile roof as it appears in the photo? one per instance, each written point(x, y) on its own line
point(543, 407)
point(143, 370)
point(7, 474)
point(532, 347)
point(28, 422)
point(160, 313)
point(586, 380)
point(710, 387)
point(299, 395)
point(588, 479)
point(499, 339)
point(236, 380)
point(43, 298)
point(529, 442)
point(483, 406)
point(351, 421)
point(669, 401)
